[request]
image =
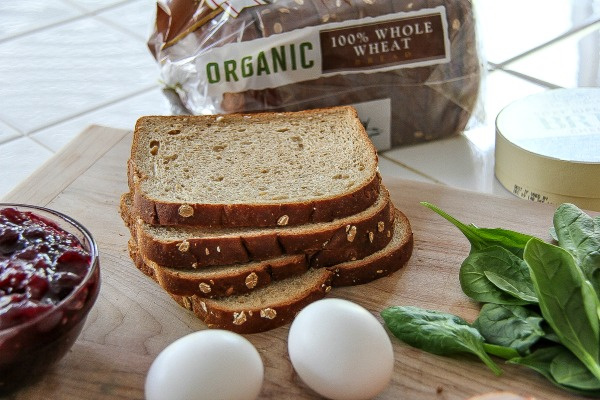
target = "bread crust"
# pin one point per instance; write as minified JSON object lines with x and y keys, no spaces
{"x":327,"y":244}
{"x":258,"y":215}
{"x":252,"y":319}
{"x":367,"y":269}
{"x":244,"y":317}
{"x":220,"y":282}
{"x":323,"y":209}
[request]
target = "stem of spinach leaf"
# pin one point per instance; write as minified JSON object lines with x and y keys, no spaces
{"x":501,"y":351}
{"x":481,"y":238}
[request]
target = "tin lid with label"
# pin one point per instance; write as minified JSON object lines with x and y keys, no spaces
{"x":548,"y":147}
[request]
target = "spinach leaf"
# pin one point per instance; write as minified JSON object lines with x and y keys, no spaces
{"x":579,"y":234}
{"x":511,"y":326}
{"x":550,"y":335}
{"x":540,"y":360}
{"x":480,"y":238}
{"x":520,"y":289}
{"x":436,"y":332}
{"x":567,"y":301}
{"x":553,"y":235}
{"x":494,"y":275}
{"x":567,"y":370}
{"x":545,"y":360}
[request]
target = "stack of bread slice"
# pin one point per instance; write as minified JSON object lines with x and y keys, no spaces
{"x":246,"y":219}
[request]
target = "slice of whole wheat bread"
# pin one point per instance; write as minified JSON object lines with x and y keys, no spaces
{"x":327,"y":243}
{"x":236,"y":279}
{"x":265,"y":169}
{"x":265,"y":308}
{"x":278,"y":302}
{"x":221,"y":281}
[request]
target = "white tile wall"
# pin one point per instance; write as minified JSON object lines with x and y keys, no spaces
{"x":18,"y":159}
{"x":7,"y":132}
{"x":135,"y":18}
{"x":512,"y":27}
{"x":19,"y":17}
{"x":61,"y":72}
{"x":574,"y":61}
{"x":95,"y":5}
{"x":121,"y":114}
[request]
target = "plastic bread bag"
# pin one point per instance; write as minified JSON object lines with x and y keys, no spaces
{"x":411,"y":68}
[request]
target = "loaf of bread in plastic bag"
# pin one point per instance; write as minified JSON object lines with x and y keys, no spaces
{"x":426,"y":96}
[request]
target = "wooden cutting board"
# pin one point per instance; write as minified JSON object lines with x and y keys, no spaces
{"x":133,"y":319}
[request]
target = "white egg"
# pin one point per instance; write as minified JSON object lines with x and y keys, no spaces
{"x":209,"y":364}
{"x":340,"y":350}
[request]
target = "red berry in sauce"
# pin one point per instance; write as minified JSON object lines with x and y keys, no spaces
{"x":40,"y":265}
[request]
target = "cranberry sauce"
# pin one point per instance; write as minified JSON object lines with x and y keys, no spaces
{"x":40,"y":265}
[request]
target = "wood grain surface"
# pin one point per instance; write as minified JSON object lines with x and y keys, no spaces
{"x":133,"y":319}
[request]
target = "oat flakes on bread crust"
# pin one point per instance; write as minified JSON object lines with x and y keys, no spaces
{"x":221,"y":281}
{"x":269,"y":307}
{"x":382,"y":263}
{"x":235,"y":279}
{"x":258,"y":170}
{"x":287,"y":297}
{"x":277,"y":303}
{"x":327,"y":243}
{"x":266,"y":308}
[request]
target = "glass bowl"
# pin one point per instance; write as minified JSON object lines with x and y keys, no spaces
{"x":36,"y":338}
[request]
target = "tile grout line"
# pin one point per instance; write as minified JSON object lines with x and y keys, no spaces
{"x":96,"y":14}
{"x":13,"y":127}
{"x":121,"y":29}
{"x":42,"y":144}
{"x":411,"y":169}
{"x":73,"y":116}
{"x":92,"y":109}
{"x":529,"y":78}
{"x":588,"y":24}
{"x":41,"y":28}
{"x":101,"y":9}
{"x":85,"y":13}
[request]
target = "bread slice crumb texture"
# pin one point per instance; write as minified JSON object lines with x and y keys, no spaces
{"x":253,"y":159}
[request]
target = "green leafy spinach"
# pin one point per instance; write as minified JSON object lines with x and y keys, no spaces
{"x":495,"y":275}
{"x":566,"y":299}
{"x":516,"y":327}
{"x":436,"y":332}
{"x":559,"y":366}
{"x":579,"y":234}
{"x":541,"y":306}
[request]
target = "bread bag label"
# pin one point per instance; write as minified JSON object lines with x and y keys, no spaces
{"x":375,"y":116}
{"x":401,"y":40}
{"x":392,"y":41}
